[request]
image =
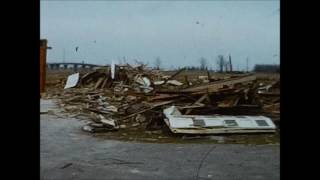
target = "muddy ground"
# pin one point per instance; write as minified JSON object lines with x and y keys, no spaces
{"x":56,"y":79}
{"x":69,"y":153}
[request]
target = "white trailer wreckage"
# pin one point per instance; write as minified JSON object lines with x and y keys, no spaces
{"x":216,"y":124}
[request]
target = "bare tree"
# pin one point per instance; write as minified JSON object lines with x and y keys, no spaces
{"x":230,"y":63}
{"x":157,"y":63}
{"x":141,"y":63}
{"x":226,"y":66}
{"x":138,"y":62}
{"x":221,"y":62}
{"x":124,"y":60}
{"x":203,"y":63}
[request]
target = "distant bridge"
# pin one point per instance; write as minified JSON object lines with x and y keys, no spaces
{"x":70,"y":65}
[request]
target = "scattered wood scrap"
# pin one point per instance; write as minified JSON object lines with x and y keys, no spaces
{"x":136,"y":96}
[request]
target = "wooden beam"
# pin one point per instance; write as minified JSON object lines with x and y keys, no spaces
{"x":100,"y":80}
{"x":203,"y":97}
{"x":215,"y":86}
{"x":174,"y":75}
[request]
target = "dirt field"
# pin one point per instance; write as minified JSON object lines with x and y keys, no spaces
{"x":69,"y":153}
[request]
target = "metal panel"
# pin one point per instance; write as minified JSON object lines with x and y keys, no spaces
{"x":216,"y":124}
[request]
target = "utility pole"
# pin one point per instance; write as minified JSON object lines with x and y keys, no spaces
{"x":247,"y":64}
{"x":230,"y":63}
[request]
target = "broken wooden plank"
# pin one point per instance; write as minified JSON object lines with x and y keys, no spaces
{"x":154,"y":105}
{"x":73,"y":98}
{"x":167,"y":91}
{"x":198,"y":105}
{"x":235,"y":103}
{"x":164,"y":96}
{"x":198,"y":101}
{"x":269,"y":93}
{"x":175,"y":74}
{"x":107,"y":122}
{"x":229,"y":102}
{"x":87,"y":78}
{"x":98,"y":111}
{"x":174,"y":82}
{"x":99,"y":82}
{"x":104,"y":83}
{"x":215,"y":86}
{"x":157,"y":83}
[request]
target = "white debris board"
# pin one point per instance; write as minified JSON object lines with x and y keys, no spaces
{"x":113,"y":69}
{"x":175,"y":82}
{"x":72,"y":81}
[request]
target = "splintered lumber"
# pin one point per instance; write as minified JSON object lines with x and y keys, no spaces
{"x":175,"y":74}
{"x":138,"y":91}
{"x":99,"y":82}
{"x":229,"y":102}
{"x":167,"y":91}
{"x":73,"y":98}
{"x":108,"y":122}
{"x":198,"y":105}
{"x":87,"y":78}
{"x":201,"y":92}
{"x":154,"y":105}
{"x":174,"y":82}
{"x":104,"y":82}
{"x":164,"y":96}
{"x":97,"y":111}
{"x":215,"y":86}
{"x":269,"y":93}
{"x":205,"y":96}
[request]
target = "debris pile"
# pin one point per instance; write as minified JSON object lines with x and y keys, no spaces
{"x":135,"y":97}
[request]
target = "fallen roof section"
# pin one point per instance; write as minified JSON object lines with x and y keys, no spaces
{"x":216,"y":124}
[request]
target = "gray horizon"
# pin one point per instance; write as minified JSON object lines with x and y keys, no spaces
{"x":179,"y":32}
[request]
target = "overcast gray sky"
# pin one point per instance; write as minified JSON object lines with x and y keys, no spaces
{"x":179,"y":32}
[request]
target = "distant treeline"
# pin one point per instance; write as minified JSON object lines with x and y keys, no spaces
{"x":195,"y":68}
{"x":191,"y":68}
{"x":267,"y":68}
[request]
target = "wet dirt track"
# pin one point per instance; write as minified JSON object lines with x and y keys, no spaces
{"x":69,"y":153}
